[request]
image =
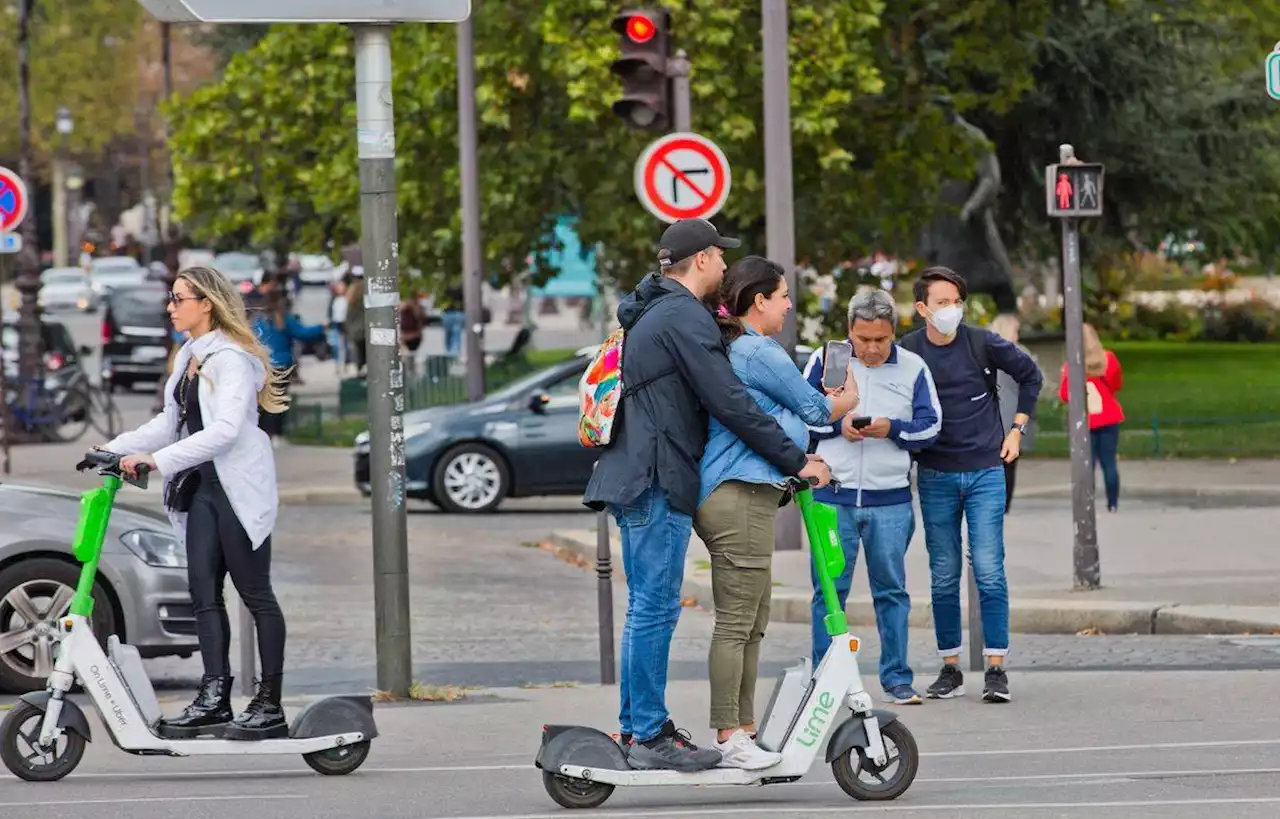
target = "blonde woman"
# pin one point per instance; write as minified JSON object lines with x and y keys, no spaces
{"x":220,"y":492}
{"x":1104,"y":380}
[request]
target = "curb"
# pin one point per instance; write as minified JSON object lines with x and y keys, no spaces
{"x":319,"y":496}
{"x":1026,"y":616}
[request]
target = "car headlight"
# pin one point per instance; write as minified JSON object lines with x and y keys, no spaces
{"x":156,"y":548}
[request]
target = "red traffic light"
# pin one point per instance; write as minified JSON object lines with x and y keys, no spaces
{"x":640,"y":29}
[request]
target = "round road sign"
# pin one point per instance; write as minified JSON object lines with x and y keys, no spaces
{"x":682,"y":176}
{"x":13,"y":200}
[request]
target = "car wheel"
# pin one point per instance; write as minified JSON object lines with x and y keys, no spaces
{"x":34,"y":593}
{"x":470,"y":478}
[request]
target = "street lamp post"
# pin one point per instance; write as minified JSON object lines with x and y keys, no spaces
{"x":64,"y":251}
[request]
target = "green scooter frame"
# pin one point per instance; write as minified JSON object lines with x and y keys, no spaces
{"x":42,"y":739}
{"x":581,"y":766}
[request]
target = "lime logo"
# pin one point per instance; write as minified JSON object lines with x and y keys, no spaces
{"x":1273,"y":73}
{"x":811,"y":731}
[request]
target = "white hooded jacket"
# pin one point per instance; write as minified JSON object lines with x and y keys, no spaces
{"x":240,"y":451}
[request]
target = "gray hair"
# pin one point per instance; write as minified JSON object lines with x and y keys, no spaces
{"x":873,"y":305}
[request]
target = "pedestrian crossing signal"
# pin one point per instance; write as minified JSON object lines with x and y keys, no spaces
{"x":1073,"y":190}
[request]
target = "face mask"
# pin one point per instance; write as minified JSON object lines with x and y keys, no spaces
{"x":947,"y":319}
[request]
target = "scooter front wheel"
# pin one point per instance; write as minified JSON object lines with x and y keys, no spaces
{"x":338,"y":761}
{"x":575,"y":793}
{"x":861,"y":778}
{"x":21,"y":752}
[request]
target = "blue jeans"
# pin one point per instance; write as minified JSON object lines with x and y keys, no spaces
{"x":1105,"y":443}
{"x":885,"y":532}
{"x":454,"y":322}
{"x":655,"y":539}
{"x":978,"y":498}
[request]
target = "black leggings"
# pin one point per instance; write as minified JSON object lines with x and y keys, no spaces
{"x":217,"y":545}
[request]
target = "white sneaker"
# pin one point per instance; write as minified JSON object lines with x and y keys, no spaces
{"x":741,"y":751}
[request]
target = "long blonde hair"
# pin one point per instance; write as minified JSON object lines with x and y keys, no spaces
{"x":229,"y":316}
{"x":1095,"y":355}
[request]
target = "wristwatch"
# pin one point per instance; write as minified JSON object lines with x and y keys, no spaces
{"x":1020,"y":428}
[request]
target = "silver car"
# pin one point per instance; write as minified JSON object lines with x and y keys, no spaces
{"x":141,"y":594}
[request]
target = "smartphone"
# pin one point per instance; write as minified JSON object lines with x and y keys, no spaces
{"x":835,"y":364}
{"x":860,"y":422}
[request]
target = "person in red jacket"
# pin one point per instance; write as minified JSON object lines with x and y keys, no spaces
{"x":1105,"y":413}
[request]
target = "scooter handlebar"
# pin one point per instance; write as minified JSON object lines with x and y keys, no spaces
{"x":108,"y":463}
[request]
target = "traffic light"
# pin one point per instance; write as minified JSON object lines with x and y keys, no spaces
{"x":646,"y":42}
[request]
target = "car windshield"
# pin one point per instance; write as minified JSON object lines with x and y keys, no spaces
{"x":116,"y":264}
{"x":62,"y":276}
{"x":235,"y":261}
{"x":142,"y":306}
{"x":56,"y":338}
{"x":523,"y":385}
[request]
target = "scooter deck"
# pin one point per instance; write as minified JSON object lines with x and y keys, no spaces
{"x":213,"y":746}
{"x":712,"y":776}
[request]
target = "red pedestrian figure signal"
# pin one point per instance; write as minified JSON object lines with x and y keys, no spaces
{"x":640,"y":29}
{"x":1064,"y":190}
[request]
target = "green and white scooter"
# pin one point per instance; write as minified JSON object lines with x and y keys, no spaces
{"x":42,"y":739}
{"x":872,"y":755}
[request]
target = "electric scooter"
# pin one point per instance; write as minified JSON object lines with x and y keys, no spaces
{"x":872,"y":755}
{"x":42,"y":739}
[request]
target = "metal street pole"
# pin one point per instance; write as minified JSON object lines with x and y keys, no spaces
{"x":166,"y":59}
{"x":1083,"y":512}
{"x":375,"y":135}
{"x":604,"y":600}
{"x":472,"y":251}
{"x":780,"y":240}
{"x":30,"y":362}
{"x":678,"y":68}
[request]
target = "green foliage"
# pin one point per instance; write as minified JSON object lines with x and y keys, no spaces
{"x":82,"y":55}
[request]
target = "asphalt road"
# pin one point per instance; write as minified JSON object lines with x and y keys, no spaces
{"x":1073,"y":744}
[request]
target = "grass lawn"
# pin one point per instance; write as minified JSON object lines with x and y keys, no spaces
{"x":1185,"y":400}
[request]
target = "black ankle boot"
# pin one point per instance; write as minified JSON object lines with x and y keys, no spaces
{"x":263,"y":718}
{"x":209,"y":712}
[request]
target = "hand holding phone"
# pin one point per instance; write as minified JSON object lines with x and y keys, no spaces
{"x":835,"y":364}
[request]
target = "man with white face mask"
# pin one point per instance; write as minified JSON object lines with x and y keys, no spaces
{"x":962,"y":475}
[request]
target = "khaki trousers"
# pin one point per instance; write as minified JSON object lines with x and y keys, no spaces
{"x":736,"y":524}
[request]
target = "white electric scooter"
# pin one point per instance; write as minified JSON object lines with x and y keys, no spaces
{"x":42,"y":739}
{"x":872,"y":755}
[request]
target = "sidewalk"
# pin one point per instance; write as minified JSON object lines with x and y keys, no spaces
{"x":1190,"y":552}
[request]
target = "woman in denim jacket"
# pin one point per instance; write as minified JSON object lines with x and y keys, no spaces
{"x":741,"y":493}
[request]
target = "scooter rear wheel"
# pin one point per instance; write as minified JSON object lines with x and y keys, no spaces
{"x":575,"y":793}
{"x":338,"y":761}
{"x":18,"y":735}
{"x":904,"y":761}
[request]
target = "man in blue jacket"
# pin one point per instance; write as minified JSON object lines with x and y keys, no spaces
{"x":675,"y":371}
{"x":962,"y":475}
{"x":873,"y":466}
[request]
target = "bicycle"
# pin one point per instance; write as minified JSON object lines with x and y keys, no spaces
{"x":62,"y":415}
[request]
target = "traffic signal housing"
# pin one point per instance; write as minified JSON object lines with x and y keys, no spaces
{"x":646,"y":43}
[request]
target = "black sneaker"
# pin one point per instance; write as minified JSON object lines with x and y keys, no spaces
{"x":950,"y":683}
{"x":996,"y":685}
{"x":672,"y":750}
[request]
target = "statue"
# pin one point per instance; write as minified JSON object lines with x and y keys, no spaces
{"x":969,"y":241}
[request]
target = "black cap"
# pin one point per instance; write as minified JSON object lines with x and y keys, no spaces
{"x":689,"y":236}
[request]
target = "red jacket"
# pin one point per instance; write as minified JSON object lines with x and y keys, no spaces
{"x":1105,"y":408}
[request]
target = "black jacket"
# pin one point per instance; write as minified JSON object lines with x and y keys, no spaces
{"x":675,"y":361}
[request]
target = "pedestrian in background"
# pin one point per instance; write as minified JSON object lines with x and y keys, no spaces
{"x":1104,"y":380}
{"x":357,"y":332}
{"x":1007,"y":326}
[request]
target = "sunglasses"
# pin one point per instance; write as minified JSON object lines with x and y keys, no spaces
{"x":177,"y":300}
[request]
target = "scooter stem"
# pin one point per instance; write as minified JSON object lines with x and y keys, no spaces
{"x":91,"y":532}
{"x":822,"y":525}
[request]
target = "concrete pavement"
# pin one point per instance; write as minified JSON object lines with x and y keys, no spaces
{"x":1189,"y":552}
{"x":1107,"y":744}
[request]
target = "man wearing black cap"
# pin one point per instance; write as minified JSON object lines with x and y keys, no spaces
{"x":676,"y":371}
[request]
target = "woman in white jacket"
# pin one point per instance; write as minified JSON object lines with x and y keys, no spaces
{"x":220,"y":492}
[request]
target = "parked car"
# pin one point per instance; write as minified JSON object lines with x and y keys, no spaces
{"x":106,"y":273}
{"x":141,"y":594}
{"x":135,"y":336}
{"x":65,"y":363}
{"x":63,"y":288}
{"x":519,"y":441}
{"x":239,"y":267}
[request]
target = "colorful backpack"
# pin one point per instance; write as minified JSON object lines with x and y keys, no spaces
{"x":600,"y":392}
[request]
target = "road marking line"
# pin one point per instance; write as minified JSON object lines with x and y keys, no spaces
{"x":777,"y":807}
{"x":1226,"y":743}
{"x":136,"y":799}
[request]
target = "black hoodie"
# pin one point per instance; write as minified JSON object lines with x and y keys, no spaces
{"x":677,"y":365}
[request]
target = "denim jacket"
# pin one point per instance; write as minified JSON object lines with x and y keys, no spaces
{"x":776,"y":384}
